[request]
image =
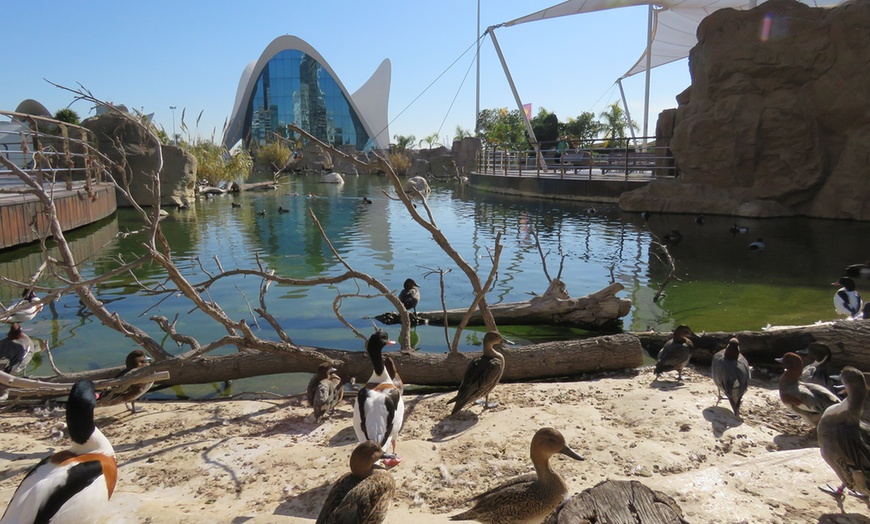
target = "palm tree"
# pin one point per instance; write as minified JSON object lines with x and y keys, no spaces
{"x":403,"y":142}
{"x":614,"y":125}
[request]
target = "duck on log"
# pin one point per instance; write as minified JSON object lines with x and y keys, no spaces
{"x":601,"y":310}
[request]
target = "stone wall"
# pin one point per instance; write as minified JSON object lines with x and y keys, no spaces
{"x":777,"y":119}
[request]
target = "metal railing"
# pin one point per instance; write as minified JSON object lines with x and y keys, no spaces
{"x":590,"y":162}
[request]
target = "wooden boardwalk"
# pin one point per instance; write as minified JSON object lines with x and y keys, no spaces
{"x":23,"y":221}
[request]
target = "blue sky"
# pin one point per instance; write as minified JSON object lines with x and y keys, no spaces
{"x":156,"y":54}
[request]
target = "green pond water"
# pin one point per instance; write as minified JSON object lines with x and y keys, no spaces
{"x":721,"y":285}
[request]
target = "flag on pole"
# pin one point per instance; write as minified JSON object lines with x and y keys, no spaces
{"x":528,"y":109}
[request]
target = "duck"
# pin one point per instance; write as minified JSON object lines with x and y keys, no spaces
{"x":735,"y":230}
{"x":676,"y":352}
{"x":730,"y":372}
{"x":807,"y":400}
{"x":672,"y":238}
{"x":847,"y":301}
{"x":378,"y":410}
{"x":842,"y":439}
{"x":25,"y":309}
{"x":758,"y":245}
{"x":482,"y":374}
{"x":858,"y":270}
{"x":390,"y":364}
{"x":700,"y":219}
{"x":112,"y":397}
{"x":17,"y":349}
{"x":282,"y":210}
{"x":364,"y":495}
{"x":71,"y":485}
{"x":409,"y":296}
{"x":236,"y":205}
{"x":527,"y":498}
{"x":366,"y":200}
{"x":324,"y":390}
{"x":817,"y":372}
{"x":645,"y":215}
{"x":261,"y":212}
{"x":864,"y":314}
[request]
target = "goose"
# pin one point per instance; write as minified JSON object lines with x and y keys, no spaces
{"x":676,"y":352}
{"x":112,"y":397}
{"x":362,"y":496}
{"x":481,"y":375}
{"x":527,"y":498}
{"x":25,"y":309}
{"x":808,"y":401}
{"x":409,"y":296}
{"x":378,"y":411}
{"x":847,"y":301}
{"x":730,"y":372}
{"x":70,"y":486}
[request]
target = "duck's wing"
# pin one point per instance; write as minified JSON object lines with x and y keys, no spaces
{"x":368,"y":501}
{"x":481,"y":375}
{"x":333,"y":500}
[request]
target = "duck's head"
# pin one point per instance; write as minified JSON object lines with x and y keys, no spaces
{"x":323,"y":370}
{"x":136,"y":359}
{"x":493,"y":339}
{"x":792,"y":363}
{"x":732,"y":350}
{"x":855,"y":383}
{"x":364,"y":457}
{"x":80,"y":411}
{"x":847,"y":283}
{"x":410,"y":284}
{"x":375,"y":344}
{"x":682,"y":333}
{"x":817,"y":351}
{"x":548,"y":442}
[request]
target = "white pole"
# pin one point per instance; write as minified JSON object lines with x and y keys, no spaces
{"x":649,"y":40}
{"x":627,"y":111}
{"x":477,"y":91}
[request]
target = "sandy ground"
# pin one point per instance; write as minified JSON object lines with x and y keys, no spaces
{"x":263,"y":461}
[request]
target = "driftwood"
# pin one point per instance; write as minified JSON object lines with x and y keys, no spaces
{"x":236,"y":187}
{"x":846,"y":338}
{"x":599,"y":310}
{"x":534,"y":361}
{"x":618,"y":501}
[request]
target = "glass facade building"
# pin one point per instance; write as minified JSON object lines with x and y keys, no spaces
{"x":292,"y":84}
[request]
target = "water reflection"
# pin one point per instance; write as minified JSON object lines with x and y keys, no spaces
{"x":721,"y":284}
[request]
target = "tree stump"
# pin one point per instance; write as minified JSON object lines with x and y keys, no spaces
{"x":618,"y":502}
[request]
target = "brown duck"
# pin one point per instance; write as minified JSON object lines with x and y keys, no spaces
{"x":805,"y":399}
{"x":114,"y":396}
{"x":481,"y":375}
{"x":362,"y":496}
{"x":676,"y":352}
{"x":324,"y":390}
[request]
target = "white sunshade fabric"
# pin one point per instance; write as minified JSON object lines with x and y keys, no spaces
{"x":675,"y":23}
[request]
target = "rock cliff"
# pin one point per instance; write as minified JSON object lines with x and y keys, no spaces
{"x":777,"y":119}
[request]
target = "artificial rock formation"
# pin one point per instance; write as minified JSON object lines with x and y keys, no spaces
{"x":777,"y":119}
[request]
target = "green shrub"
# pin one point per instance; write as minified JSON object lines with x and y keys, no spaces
{"x":215,"y":164}
{"x":275,"y":155}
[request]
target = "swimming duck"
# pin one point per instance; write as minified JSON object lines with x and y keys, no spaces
{"x":25,"y":309}
{"x":700,"y":219}
{"x":730,"y":372}
{"x":735,"y":229}
{"x":758,"y":245}
{"x":70,"y":485}
{"x":858,"y":270}
{"x":847,"y":301}
{"x":676,"y":352}
{"x":363,"y":495}
{"x":527,"y":498}
{"x":645,"y":215}
{"x":481,"y":375}
{"x":842,"y":440}
{"x":390,"y":364}
{"x":261,"y":213}
{"x":366,"y":200}
{"x":409,"y":296}
{"x":817,"y":372}
{"x":282,"y":210}
{"x":672,"y":238}
{"x":805,"y":399}
{"x":379,"y":411}
{"x":112,"y":397}
{"x":235,"y":205}
{"x":324,"y":390}
{"x":16,"y":349}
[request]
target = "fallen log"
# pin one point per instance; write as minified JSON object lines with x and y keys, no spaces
{"x":846,"y":338}
{"x":601,"y":310}
{"x":236,"y":187}
{"x":618,"y":501}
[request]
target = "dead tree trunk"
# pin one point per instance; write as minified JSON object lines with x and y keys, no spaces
{"x":600,"y":310}
{"x":618,"y":501}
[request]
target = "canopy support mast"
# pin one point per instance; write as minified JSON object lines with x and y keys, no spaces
{"x":534,"y":141}
{"x":649,"y":43}
{"x":477,"y":91}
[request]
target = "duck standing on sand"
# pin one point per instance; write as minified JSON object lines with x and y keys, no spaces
{"x":111,"y":397}
{"x":481,"y":375}
{"x":527,"y":498}
{"x":807,"y":400}
{"x":730,"y":372}
{"x":324,"y":391}
{"x":842,"y":441}
{"x":817,"y":372}
{"x":676,"y":352}
{"x":25,"y":309}
{"x":409,"y":296}
{"x":362,"y":496}
{"x":71,"y":485}
{"x":847,"y":301}
{"x":379,"y":410}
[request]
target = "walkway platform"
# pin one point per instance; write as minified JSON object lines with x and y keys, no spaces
{"x":584,"y":186}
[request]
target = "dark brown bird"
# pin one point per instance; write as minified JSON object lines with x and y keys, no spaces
{"x":324,"y":390}
{"x":527,"y":498}
{"x":114,"y":396}
{"x":481,"y":375}
{"x":730,"y":372}
{"x":362,"y":496}
{"x":676,"y":352}
{"x":410,"y":295}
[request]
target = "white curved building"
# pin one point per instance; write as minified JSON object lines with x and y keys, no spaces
{"x":292,"y":84}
